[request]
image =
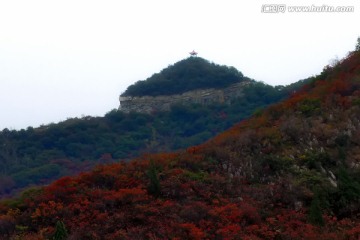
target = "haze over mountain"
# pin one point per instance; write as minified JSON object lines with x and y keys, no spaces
{"x":66,"y":59}
{"x":290,"y":171}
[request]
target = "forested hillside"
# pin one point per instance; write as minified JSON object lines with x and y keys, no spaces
{"x":36,"y":156}
{"x":289,"y":172}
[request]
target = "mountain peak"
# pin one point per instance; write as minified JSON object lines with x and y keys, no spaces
{"x":188,"y":74}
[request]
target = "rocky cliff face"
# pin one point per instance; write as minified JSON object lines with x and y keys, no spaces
{"x":148,"y":104}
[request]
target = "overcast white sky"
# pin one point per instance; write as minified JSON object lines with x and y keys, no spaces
{"x":68,"y":58}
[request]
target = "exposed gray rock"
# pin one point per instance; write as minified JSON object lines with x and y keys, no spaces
{"x":332,"y":182}
{"x":148,"y":104}
{"x":298,"y":205}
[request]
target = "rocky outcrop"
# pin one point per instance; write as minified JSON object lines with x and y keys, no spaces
{"x":149,"y":104}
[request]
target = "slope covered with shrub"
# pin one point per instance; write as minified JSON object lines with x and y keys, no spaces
{"x":39,"y":155}
{"x":289,"y":172}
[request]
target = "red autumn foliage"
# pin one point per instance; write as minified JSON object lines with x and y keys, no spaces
{"x":250,"y":182}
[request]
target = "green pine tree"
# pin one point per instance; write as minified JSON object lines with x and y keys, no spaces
{"x":60,"y":231}
{"x":154,"y":187}
{"x":357,"y":48}
{"x":315,"y":211}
